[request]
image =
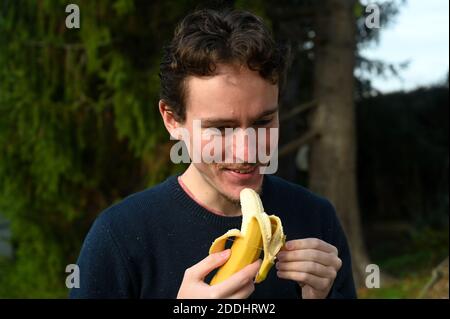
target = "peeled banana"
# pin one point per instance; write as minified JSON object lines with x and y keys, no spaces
{"x":259,"y":232}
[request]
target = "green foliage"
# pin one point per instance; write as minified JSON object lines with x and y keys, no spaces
{"x":410,"y":268}
{"x":79,"y":126}
{"x":408,"y":287}
{"x":420,"y":257}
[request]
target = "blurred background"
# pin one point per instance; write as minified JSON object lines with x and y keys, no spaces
{"x":364,"y":122}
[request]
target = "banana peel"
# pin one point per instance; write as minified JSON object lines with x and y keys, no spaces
{"x":259,"y":232}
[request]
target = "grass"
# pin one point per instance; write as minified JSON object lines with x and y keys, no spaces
{"x":407,"y":287}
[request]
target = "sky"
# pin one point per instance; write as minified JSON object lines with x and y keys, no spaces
{"x":419,"y":34}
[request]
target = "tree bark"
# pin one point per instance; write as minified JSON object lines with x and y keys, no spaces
{"x":333,"y":155}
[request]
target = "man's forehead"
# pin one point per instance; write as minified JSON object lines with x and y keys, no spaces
{"x":234,"y":73}
{"x":227,"y":74}
{"x":229,"y":91}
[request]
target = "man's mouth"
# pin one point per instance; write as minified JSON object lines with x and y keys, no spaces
{"x":242,"y":170}
{"x":241,"y":174}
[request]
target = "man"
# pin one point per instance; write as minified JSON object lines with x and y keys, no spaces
{"x":225,"y":70}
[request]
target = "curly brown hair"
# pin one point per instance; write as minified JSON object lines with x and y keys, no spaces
{"x":207,"y":37}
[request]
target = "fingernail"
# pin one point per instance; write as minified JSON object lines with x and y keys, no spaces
{"x":225,"y":253}
{"x":277,"y":265}
{"x":288,"y":245}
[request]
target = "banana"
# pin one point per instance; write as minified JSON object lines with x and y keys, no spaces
{"x":258,"y":232}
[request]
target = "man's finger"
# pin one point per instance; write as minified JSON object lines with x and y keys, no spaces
{"x":311,"y":243}
{"x":244,"y":292}
{"x":317,"y":256}
{"x":201,"y":269}
{"x":315,"y":282}
{"x":238,"y":280}
{"x":309,"y":267}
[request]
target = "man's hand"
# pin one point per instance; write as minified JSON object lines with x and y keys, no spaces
{"x":238,"y":286}
{"x":312,"y":263}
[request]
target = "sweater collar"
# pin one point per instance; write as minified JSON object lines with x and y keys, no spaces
{"x":200,"y":212}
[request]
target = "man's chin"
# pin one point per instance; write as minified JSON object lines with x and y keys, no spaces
{"x":233,"y":189}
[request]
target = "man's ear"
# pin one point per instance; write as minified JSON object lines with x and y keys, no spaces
{"x":168,"y":116}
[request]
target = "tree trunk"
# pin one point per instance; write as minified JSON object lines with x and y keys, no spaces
{"x":333,"y":155}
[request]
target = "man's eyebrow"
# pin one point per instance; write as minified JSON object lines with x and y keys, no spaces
{"x":268,"y":112}
{"x":217,"y":122}
{"x":222,"y":121}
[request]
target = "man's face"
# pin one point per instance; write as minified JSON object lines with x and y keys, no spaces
{"x":235,"y":98}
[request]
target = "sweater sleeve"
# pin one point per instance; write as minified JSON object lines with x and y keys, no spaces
{"x":102,"y":264}
{"x":344,"y":286}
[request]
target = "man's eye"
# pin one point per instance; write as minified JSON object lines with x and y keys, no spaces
{"x":263,"y":122}
{"x":221,"y":129}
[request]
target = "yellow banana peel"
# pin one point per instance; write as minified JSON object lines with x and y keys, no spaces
{"x":259,"y":232}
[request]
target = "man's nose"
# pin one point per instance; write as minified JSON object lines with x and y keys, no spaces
{"x":244,"y":145}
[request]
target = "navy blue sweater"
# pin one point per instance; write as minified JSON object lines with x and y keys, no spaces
{"x":140,"y":247}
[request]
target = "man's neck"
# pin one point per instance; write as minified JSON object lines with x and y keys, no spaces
{"x":206,"y":195}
